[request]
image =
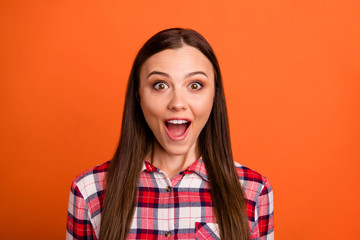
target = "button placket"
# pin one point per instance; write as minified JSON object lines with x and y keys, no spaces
{"x":167,"y":200}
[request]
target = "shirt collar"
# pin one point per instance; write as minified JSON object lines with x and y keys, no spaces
{"x":197,"y":167}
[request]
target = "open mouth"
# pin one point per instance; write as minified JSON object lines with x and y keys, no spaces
{"x":177,"y":129}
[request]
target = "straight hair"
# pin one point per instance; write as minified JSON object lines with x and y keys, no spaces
{"x":136,"y":141}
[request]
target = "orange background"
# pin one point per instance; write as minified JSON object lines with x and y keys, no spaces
{"x":292,"y":80}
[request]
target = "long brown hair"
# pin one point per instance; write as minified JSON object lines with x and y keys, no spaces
{"x":136,"y":140}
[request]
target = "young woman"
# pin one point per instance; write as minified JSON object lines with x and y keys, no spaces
{"x":173,"y":175}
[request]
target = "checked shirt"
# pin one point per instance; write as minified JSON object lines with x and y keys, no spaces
{"x":177,"y":208}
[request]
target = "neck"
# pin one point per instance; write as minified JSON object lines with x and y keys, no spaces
{"x":172,"y":164}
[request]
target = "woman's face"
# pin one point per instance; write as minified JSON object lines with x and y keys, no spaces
{"x":176,"y":95}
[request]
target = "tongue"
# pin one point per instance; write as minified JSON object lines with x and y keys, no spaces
{"x":176,"y":130}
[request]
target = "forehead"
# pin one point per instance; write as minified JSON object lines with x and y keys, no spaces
{"x":185,"y":59}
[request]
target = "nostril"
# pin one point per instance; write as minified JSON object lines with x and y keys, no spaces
{"x":177,"y":106}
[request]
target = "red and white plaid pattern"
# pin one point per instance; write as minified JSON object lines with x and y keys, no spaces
{"x":180,"y":208}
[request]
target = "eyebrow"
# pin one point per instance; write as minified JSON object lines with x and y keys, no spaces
{"x":167,"y":75}
{"x":195,"y":73}
{"x":158,"y":73}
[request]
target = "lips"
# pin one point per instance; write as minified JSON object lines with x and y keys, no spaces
{"x":177,"y":129}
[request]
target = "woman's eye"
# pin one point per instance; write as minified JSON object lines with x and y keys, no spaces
{"x":160,"y":86}
{"x":195,"y":86}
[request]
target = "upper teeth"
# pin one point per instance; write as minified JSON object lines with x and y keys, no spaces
{"x":177,"y":121}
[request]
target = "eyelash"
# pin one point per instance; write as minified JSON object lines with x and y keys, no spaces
{"x":198,"y":83}
{"x":156,"y":85}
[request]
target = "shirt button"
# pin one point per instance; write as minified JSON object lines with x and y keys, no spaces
{"x":167,"y":234}
{"x":168,"y":189}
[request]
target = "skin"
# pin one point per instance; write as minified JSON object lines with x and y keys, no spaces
{"x":176,"y":83}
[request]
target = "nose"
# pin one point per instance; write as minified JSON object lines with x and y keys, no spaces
{"x":177,"y":101}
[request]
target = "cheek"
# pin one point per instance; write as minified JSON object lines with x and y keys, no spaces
{"x":152,"y":110}
{"x":203,"y":109}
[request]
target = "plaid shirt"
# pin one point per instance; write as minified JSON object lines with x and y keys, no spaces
{"x":178,"y":208}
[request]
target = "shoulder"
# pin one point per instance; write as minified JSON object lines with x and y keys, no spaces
{"x":91,"y":182}
{"x":259,"y":202}
{"x":85,"y":203}
{"x":252,"y":181}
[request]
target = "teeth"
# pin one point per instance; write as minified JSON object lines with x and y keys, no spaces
{"x":177,"y":121}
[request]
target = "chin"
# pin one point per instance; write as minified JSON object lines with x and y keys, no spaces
{"x":177,"y":151}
